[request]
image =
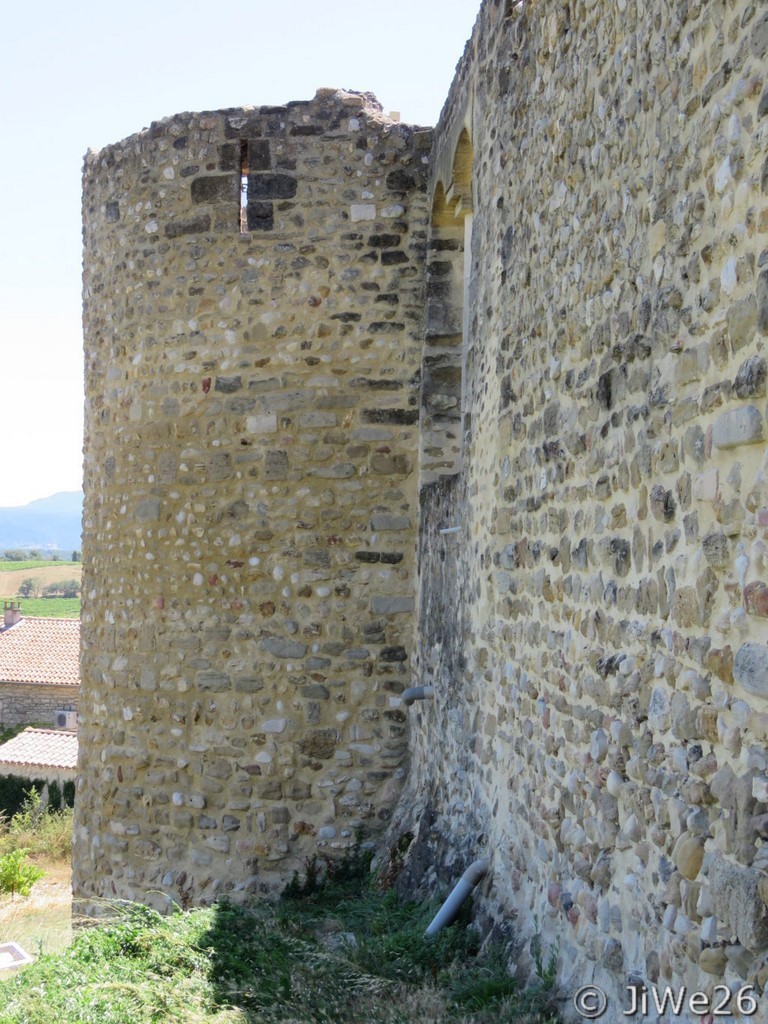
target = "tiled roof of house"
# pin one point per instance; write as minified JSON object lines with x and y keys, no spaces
{"x":41,"y":651}
{"x":44,"y":748}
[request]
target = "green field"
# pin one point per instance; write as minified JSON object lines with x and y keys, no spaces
{"x":50,"y":607}
{"x":32,"y":564}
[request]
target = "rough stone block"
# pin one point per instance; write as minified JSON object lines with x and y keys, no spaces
{"x":750,"y":378}
{"x":191,"y":226}
{"x":260,"y":216}
{"x":219,"y":188}
{"x":382,"y":521}
{"x":362,"y":211}
{"x":258,"y":155}
{"x":270,"y":186}
{"x":264,"y":424}
{"x":750,"y":668}
{"x":148,"y":509}
{"x":737,"y":427}
{"x":737,"y":903}
{"x":392,"y":605}
{"x":282,"y":648}
{"x":320,"y":744}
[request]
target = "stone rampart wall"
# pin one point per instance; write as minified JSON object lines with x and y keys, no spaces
{"x":596,"y":629}
{"x":252,"y":383}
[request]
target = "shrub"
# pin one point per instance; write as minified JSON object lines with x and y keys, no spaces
{"x":38,"y":828}
{"x":17,"y":874}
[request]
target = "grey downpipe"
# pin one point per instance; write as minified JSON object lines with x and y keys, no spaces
{"x":416,"y":693}
{"x":449,"y":911}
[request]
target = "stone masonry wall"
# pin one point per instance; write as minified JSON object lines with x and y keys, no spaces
{"x":252,"y":394}
{"x":596,"y":629}
{"x":33,"y":704}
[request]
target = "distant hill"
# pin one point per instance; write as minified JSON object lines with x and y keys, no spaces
{"x":47,"y":524}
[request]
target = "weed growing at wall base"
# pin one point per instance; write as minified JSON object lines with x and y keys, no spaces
{"x":341,"y":954}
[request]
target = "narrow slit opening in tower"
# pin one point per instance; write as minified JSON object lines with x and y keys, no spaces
{"x":243,"y":187}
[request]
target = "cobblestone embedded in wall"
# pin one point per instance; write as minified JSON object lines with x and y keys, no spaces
{"x":252,"y":379}
{"x":601,"y":662}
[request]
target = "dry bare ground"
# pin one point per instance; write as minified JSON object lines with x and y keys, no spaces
{"x":42,"y":921}
{"x":10,"y":581}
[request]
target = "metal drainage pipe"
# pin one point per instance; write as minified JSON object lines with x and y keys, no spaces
{"x":448,"y":913}
{"x":416,"y":693}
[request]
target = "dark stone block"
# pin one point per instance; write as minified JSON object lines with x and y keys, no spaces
{"x":402,"y":417}
{"x":762,"y":109}
{"x":399,"y":181}
{"x":390,"y":259}
{"x":219,"y":188}
{"x":271,"y":186}
{"x":622,"y":556}
{"x":187,"y":172}
{"x":391,"y":557}
{"x":228,"y":385}
{"x":393,"y":654}
{"x":307,"y":129}
{"x":750,"y":379}
{"x":229,"y":157}
{"x":241,"y":126}
{"x":194,"y":226}
{"x":605,"y":391}
{"x":347,"y":318}
{"x":384,"y":241}
{"x":113,"y":212}
{"x":375,"y":385}
{"x":387,"y":327}
{"x":367,"y":556}
{"x":261,"y":216}
{"x":259,"y":157}
{"x":181,"y":143}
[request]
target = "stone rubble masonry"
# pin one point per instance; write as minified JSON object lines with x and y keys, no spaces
{"x":596,"y":629}
{"x":562,"y":334}
{"x":27,"y":703}
{"x":252,"y":381}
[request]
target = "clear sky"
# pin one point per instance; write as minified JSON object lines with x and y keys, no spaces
{"x":84,"y":74}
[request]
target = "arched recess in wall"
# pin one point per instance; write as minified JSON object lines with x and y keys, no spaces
{"x":444,"y":419}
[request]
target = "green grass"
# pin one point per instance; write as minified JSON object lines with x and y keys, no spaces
{"x":50,"y":607}
{"x":33,"y":563}
{"x":47,"y":835}
{"x":335,"y":953}
{"x":39,"y":926}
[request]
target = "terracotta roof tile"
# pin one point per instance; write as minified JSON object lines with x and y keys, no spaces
{"x":44,"y":748}
{"x":41,"y":651}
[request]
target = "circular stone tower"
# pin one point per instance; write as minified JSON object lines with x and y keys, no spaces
{"x":253,"y":296}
